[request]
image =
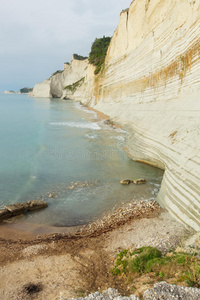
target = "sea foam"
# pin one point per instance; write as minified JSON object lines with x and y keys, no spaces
{"x":88,"y":125}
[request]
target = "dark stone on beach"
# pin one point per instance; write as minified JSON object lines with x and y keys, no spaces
{"x":17,"y":208}
{"x":20,"y":208}
{"x":139,"y":181}
{"x":109,"y":122}
{"x":4,"y":214}
{"x":125,"y":181}
{"x":36,"y":204}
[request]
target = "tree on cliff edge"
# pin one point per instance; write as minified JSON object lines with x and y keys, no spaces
{"x":98,"y":52}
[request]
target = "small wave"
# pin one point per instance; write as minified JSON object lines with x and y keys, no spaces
{"x":88,"y":125}
{"x":112,"y":128}
{"x":120,"y":138}
{"x":90,"y":136}
{"x":81,"y":107}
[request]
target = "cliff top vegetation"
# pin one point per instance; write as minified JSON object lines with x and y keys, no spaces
{"x":79,"y":57}
{"x":98,"y":52}
{"x":57,"y":72}
{"x":25,"y":90}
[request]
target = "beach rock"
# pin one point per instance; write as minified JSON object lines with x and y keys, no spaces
{"x":139,"y":181}
{"x":36,"y":204}
{"x":51,"y":195}
{"x":4,"y":214}
{"x":165,"y":291}
{"x":17,"y":208}
{"x":125,"y":181}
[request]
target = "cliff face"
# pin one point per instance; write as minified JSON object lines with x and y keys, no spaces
{"x":60,"y":84}
{"x":41,"y":89}
{"x":151,"y":85}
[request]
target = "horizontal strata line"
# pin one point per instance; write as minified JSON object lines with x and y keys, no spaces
{"x":166,"y":157}
{"x":171,"y":195}
{"x":172,"y":182}
{"x":158,"y":156}
{"x":190,"y":214}
{"x":182,"y":220}
{"x":171,"y":70}
{"x":140,"y":131}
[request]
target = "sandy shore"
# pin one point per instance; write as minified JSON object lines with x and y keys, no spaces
{"x":80,"y":262}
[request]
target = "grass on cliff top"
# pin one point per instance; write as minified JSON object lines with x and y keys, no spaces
{"x":98,"y":53}
{"x":174,"y":267}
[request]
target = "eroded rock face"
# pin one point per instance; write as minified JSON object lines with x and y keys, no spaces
{"x":41,"y":89}
{"x":58,"y":85}
{"x":151,"y":86}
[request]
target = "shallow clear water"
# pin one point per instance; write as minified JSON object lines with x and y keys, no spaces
{"x":57,"y":146}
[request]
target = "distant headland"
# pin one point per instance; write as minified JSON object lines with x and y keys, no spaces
{"x":25,"y":90}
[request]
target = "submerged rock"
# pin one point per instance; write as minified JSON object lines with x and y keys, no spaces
{"x":125,"y":181}
{"x":139,"y":181}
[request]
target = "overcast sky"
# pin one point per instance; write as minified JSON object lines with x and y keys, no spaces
{"x":38,"y":36}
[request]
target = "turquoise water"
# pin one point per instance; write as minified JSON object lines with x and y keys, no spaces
{"x":57,"y":146}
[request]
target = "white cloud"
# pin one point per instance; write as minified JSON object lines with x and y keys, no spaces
{"x":46,"y":33}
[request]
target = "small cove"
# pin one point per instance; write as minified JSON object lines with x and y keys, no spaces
{"x":58,"y":147}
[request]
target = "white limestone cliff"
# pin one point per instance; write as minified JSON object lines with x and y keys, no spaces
{"x":41,"y":89}
{"x":151,"y":85}
{"x":59,"y":84}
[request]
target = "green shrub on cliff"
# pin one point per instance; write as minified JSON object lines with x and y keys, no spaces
{"x":72,"y":87}
{"x":98,"y":52}
{"x":79,"y":57}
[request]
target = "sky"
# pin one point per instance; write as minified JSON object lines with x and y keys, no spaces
{"x":38,"y":36}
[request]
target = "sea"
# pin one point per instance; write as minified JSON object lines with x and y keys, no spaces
{"x":59,"y":151}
